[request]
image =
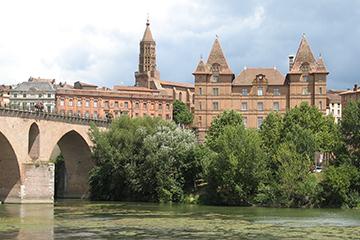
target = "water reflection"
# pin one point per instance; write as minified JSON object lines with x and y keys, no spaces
{"x":86,"y":220}
{"x":27,"y":221}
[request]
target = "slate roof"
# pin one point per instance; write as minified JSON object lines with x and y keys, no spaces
{"x":34,"y":87}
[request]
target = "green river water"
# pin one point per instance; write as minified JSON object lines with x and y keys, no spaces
{"x":117,"y":220}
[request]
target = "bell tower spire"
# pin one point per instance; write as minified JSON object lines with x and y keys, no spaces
{"x":147,"y":58}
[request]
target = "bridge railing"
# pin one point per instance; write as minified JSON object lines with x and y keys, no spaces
{"x":53,"y":117}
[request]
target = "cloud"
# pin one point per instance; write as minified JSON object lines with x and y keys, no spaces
{"x":97,"y":41}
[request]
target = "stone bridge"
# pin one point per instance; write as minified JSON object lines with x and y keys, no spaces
{"x":29,"y":144}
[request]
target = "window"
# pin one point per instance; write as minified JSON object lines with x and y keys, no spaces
{"x":259,"y":121}
{"x":70,"y":103}
{"x":49,"y":95}
{"x":160,"y":106}
{"x":244,"y":106}
{"x":200,"y":91}
{"x":338,"y":112}
{"x":168,"y":106}
{"x":168,"y":116}
{"x":276,"y":106}
{"x":200,"y":105}
{"x":116,"y":104}
{"x":40,"y":95}
{"x":136,"y":105}
{"x":24,"y":95}
{"x":87,"y":103}
{"x":306,"y":78}
{"x":180,"y":96}
{"x":305,"y":91}
{"x":244,"y":92}
{"x":79,"y":103}
{"x":260,"y":106}
{"x":260,"y":91}
{"x":145,"y":105}
{"x":70,"y":113}
{"x":95,"y":103}
{"x":245,"y":121}
{"x":62,"y":103}
{"x":126,"y":104}
{"x":215,"y":78}
{"x":215,"y":91}
{"x":79,"y":114}
{"x":320,"y":90}
{"x":87,"y":115}
{"x":215,"y":105}
{"x":106,"y":104}
{"x":320,"y":104}
{"x":95,"y":115}
{"x":276,"y":92}
{"x":15,"y":95}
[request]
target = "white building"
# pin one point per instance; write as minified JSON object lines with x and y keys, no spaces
{"x":334,"y":107}
{"x":26,"y":95}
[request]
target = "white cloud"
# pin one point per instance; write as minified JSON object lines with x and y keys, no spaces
{"x":94,"y":40}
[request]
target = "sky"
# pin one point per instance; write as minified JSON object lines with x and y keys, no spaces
{"x":97,"y":41}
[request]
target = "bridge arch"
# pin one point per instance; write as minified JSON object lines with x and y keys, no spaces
{"x":34,"y":141}
{"x":72,"y":169}
{"x":10,"y":179}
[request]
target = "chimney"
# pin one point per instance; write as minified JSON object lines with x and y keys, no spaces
{"x":291,"y":61}
{"x":355,"y":87}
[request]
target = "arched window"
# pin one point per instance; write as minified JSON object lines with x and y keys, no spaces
{"x":180,"y":96}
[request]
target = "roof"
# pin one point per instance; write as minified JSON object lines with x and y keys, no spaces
{"x":202,"y":68}
{"x":83,"y":84}
{"x":147,"y":34}
{"x":34,"y":87}
{"x":333,"y":97}
{"x":248,"y":75}
{"x":350,"y":92}
{"x":32,"y":79}
{"x":133,"y":88}
{"x":303,"y":56}
{"x":177,"y":84}
{"x":217,"y":56}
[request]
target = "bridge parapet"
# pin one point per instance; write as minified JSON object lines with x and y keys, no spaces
{"x":52,"y":117}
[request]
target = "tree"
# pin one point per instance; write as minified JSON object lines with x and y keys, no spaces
{"x":227,"y":118}
{"x":235,"y":167}
{"x":350,"y":130}
{"x":143,"y":159}
{"x":181,"y":113}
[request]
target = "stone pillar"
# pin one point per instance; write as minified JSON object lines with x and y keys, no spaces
{"x":38,"y":182}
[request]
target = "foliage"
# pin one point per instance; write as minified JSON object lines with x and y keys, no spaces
{"x":181,"y":113}
{"x":290,"y":143}
{"x":228,"y":117}
{"x":143,"y":159}
{"x":350,"y":129}
{"x":236,"y":167}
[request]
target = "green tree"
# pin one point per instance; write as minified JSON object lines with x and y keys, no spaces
{"x":143,"y":159}
{"x":181,"y":113}
{"x":227,"y":118}
{"x":235,"y":167}
{"x":350,"y":130}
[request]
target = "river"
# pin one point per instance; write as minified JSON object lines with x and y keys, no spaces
{"x":117,"y":220}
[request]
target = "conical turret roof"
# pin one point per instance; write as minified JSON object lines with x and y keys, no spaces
{"x":147,"y":34}
{"x":304,"y":55}
{"x":217,"y":56}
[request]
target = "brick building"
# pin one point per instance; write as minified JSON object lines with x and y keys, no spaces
{"x":350,"y":95}
{"x":255,"y":92}
{"x":150,"y":96}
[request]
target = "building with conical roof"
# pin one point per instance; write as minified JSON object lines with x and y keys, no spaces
{"x":256,"y":91}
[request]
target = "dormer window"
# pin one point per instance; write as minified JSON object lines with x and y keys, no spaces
{"x":305,"y":67}
{"x":215,"y":67}
{"x":260,"y":91}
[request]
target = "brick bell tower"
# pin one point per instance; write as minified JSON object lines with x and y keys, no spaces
{"x":147,"y":60}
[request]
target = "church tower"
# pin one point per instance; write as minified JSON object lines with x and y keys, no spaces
{"x":147,"y":60}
